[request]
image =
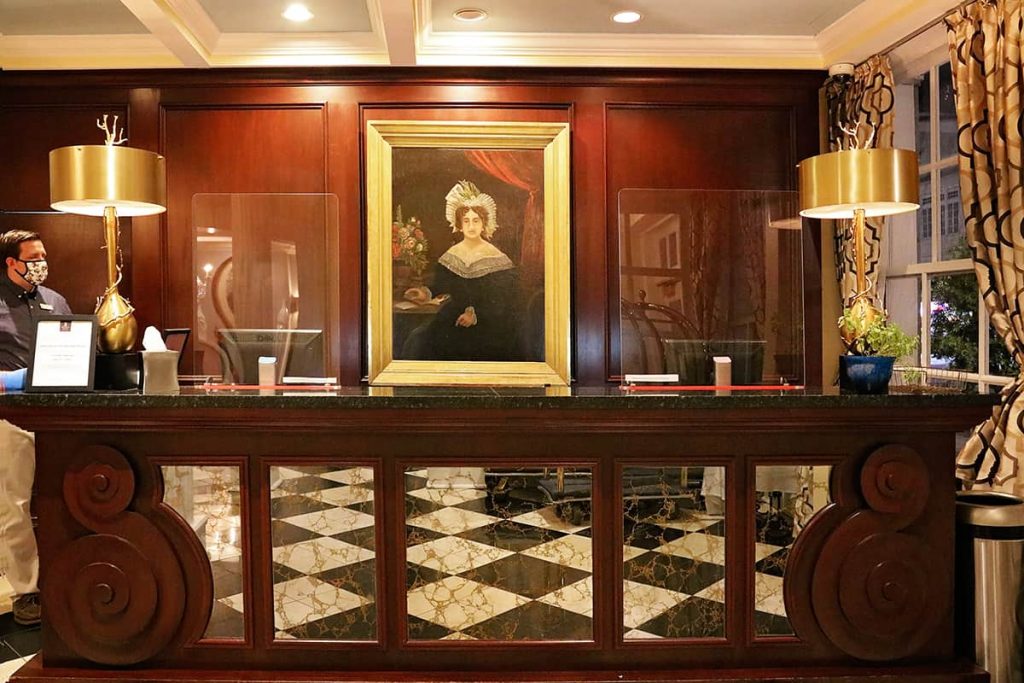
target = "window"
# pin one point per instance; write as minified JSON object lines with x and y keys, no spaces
{"x":931,"y":286}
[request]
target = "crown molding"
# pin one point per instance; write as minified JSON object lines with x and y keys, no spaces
{"x":115,"y":51}
{"x":298,"y":49}
{"x":487,"y":48}
{"x":874,"y":25}
{"x":574,"y":49}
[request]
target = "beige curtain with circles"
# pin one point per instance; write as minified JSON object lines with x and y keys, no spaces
{"x":864,"y":103}
{"x":985,"y":51}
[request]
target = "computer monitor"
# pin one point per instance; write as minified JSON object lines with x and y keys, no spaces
{"x":299,"y":353}
{"x":176,"y":339}
{"x":693,"y":359}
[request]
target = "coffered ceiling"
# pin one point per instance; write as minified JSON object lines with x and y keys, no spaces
{"x":68,"y":34}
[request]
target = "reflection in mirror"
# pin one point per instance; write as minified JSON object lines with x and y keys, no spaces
{"x":207,"y":498}
{"x":787,"y":496}
{"x":499,"y":553}
{"x":324,"y":557}
{"x":673,"y":552}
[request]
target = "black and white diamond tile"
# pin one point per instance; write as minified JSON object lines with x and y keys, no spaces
{"x":508,"y":567}
{"x":498,"y":567}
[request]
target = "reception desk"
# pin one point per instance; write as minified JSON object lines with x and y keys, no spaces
{"x":496,"y":534}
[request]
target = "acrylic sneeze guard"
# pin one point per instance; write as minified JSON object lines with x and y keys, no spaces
{"x":711,"y":273}
{"x":263,"y":289}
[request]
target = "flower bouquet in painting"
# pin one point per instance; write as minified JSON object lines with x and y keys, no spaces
{"x":408,"y":250}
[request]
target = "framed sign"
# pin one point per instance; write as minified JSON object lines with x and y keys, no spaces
{"x":468,"y":253}
{"x":63,"y":354}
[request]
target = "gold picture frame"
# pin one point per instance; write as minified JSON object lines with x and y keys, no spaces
{"x":417,"y":161}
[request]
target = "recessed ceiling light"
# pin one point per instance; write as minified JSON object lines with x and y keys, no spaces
{"x":297,"y":12}
{"x":470,"y":14}
{"x":627,"y":17}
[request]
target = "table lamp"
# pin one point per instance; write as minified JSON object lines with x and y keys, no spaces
{"x":108,"y":180}
{"x":858,"y":183}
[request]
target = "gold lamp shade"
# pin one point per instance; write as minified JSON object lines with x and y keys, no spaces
{"x":880,"y":182}
{"x":85,"y":179}
{"x":857,"y":183}
{"x":107,"y":180}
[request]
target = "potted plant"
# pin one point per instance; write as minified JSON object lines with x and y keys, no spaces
{"x":872,"y":344}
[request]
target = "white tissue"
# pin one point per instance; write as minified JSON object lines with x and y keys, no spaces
{"x":152,"y":340}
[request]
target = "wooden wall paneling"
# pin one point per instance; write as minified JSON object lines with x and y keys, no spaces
{"x":591,"y":264}
{"x":30,"y":132}
{"x":808,"y":116}
{"x":344,"y":247}
{"x":148,"y":265}
{"x":233,"y":149}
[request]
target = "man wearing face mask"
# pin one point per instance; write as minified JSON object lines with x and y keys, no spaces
{"x":23,"y":300}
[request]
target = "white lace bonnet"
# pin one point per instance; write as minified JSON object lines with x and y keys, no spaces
{"x":465,"y":193}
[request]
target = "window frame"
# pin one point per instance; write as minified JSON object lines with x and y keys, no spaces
{"x":924,"y":271}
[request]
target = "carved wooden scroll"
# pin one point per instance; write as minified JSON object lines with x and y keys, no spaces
{"x":856,"y":578}
{"x":117,"y":595}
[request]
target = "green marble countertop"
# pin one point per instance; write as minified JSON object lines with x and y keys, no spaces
{"x":496,"y":398}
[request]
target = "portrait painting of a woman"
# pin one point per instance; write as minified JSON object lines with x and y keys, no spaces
{"x":475,"y":285}
{"x":460,"y":238}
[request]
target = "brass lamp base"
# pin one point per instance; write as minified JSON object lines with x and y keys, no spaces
{"x":118,"y":328}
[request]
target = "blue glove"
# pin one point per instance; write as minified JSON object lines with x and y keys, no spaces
{"x":13,"y":380}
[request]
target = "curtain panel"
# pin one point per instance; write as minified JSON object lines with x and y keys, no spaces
{"x":985,"y":52}
{"x":862,"y":104}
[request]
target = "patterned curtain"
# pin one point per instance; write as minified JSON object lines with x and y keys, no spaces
{"x":985,"y":51}
{"x":863,"y":102}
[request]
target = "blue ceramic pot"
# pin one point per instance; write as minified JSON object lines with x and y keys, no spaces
{"x":865,"y":374}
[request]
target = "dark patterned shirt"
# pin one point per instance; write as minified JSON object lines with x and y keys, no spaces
{"x":19,"y":311}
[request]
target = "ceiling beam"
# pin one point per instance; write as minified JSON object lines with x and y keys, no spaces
{"x":396,"y":21}
{"x":181,"y":25}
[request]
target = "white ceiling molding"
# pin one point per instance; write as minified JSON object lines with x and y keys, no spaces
{"x":193,"y":15}
{"x":117,"y":51}
{"x":575,"y":49}
{"x":603,"y":49}
{"x":183,"y":33}
{"x":874,"y":25}
{"x":165,"y":24}
{"x":395,"y":22}
{"x":298,"y":49}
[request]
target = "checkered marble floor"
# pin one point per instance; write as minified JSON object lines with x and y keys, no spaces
{"x":515,"y":567}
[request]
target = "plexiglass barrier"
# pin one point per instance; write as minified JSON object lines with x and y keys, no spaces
{"x":710,"y":288}
{"x":262,"y":288}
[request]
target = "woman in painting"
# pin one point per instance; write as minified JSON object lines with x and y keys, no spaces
{"x":477,"y":282}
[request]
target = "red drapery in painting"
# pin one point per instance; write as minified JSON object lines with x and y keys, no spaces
{"x":518,"y":171}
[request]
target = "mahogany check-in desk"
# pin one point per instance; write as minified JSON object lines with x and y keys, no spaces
{"x":496,"y":534}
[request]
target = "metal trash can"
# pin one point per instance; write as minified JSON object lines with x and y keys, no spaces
{"x":990,"y":600}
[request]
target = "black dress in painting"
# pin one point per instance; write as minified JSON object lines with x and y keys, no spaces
{"x":489,"y":286}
